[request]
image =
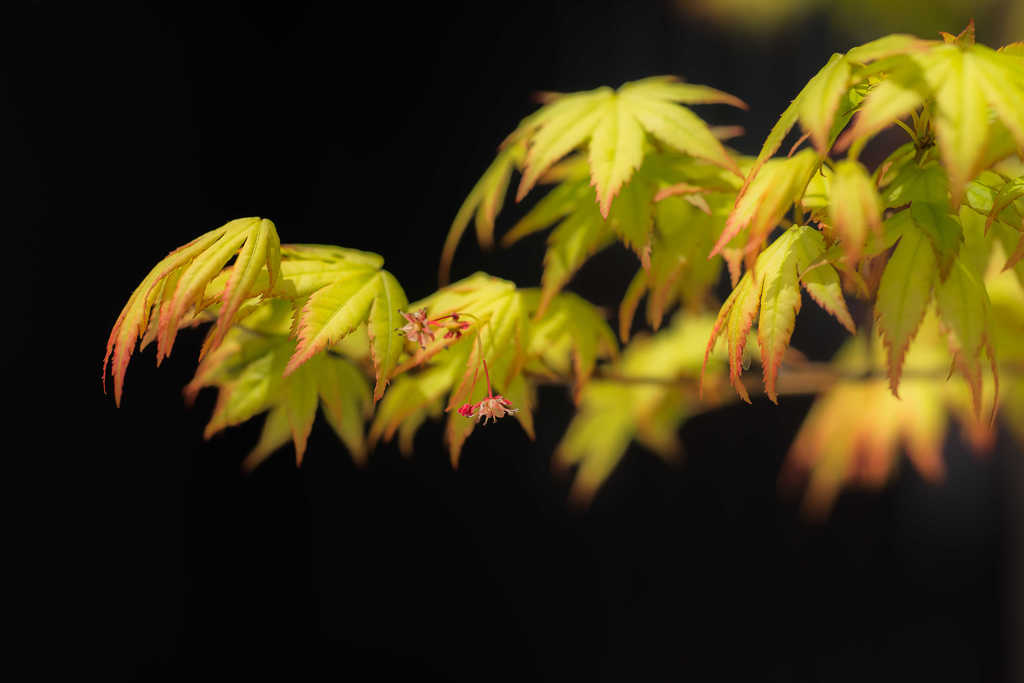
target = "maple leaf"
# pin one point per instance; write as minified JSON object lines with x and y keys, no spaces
{"x":248,"y":371}
{"x":172,"y":294}
{"x":634,"y":218}
{"x":614,"y":132}
{"x":998,"y":199}
{"x":854,"y":207}
{"x":569,"y":338}
{"x":637,"y":399}
{"x":612,"y":125}
{"x":484,"y":202}
{"x":826,"y":104}
{"x":854,"y":431}
{"x":347,"y":293}
{"x":679,"y":268}
{"x":966,"y":81}
{"x":770,"y":293}
{"x":763,"y":203}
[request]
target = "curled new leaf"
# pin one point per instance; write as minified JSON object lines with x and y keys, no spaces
{"x":175,"y":290}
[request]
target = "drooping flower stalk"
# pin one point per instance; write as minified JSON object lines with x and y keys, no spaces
{"x":493,"y":407}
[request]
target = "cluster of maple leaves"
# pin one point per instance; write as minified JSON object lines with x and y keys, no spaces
{"x":932,"y":238}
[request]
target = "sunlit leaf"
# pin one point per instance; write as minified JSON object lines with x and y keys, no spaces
{"x":770,"y":196}
{"x":854,"y":207}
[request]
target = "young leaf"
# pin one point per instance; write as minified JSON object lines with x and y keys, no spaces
{"x":485,"y":201}
{"x":616,"y":151}
{"x":820,"y":99}
{"x":854,"y":207}
{"x":963,"y":307}
{"x":771,"y":289}
{"x":903,"y":296}
{"x":384,"y":319}
{"x":332,"y":312}
{"x":570,"y":244}
{"x":780,"y":302}
{"x":176,"y":285}
{"x":964,"y":80}
{"x":779,"y":184}
{"x":614,"y":411}
{"x":942,"y":230}
{"x":570,"y":337}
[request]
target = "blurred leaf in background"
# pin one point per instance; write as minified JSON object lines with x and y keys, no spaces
{"x":1002,"y":21}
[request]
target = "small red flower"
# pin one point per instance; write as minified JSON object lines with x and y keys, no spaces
{"x":417,"y":327}
{"x":493,"y":407}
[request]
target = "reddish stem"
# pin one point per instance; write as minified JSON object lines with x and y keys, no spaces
{"x":488,"y":376}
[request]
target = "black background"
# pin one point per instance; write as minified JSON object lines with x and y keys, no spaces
{"x":147,"y":556}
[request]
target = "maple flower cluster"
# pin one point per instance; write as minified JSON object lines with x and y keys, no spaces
{"x":418,"y":326}
{"x":493,"y":407}
{"x":417,"y":329}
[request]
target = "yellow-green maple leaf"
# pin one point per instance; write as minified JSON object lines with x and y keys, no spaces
{"x":175,"y":288}
{"x":771,"y":292}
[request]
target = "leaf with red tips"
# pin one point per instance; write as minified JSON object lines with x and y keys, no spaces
{"x":820,"y":100}
{"x":821,"y":281}
{"x":856,"y":431}
{"x":384,"y":319}
{"x":261,"y":252}
{"x":741,"y":319}
{"x":632,"y":216}
{"x":670,"y":89}
{"x":780,"y":302}
{"x":616,"y":151}
{"x":963,"y":306}
{"x":1016,"y":256}
{"x":854,"y":207}
{"x":195,"y":277}
{"x":485,"y":201}
{"x":174,"y":288}
{"x":771,"y":292}
{"x":248,"y":367}
{"x":903,"y":296}
{"x":332,"y":312}
{"x":964,"y":38}
{"x":780,"y":183}
{"x":571,"y":123}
